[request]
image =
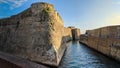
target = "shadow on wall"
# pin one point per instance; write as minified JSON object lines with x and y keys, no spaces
{"x":105,"y":40}
{"x":63,"y":46}
{"x":75,"y":34}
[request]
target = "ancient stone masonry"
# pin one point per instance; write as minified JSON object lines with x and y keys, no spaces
{"x":105,"y":40}
{"x":36,"y":34}
{"x":75,"y":33}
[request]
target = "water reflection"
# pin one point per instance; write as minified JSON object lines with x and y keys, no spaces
{"x":79,"y":56}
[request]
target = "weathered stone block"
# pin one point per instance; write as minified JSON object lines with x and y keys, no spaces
{"x":105,"y":40}
{"x":36,"y":34}
{"x":75,"y":33}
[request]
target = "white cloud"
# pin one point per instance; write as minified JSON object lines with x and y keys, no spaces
{"x":3,"y":1}
{"x":13,"y":3}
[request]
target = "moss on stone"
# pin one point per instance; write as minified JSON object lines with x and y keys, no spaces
{"x":47,"y":9}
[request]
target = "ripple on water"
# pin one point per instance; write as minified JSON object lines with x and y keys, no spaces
{"x":79,"y":56}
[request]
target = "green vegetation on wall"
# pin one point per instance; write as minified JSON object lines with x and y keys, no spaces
{"x":47,"y":9}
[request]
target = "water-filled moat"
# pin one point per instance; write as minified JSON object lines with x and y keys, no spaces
{"x":79,"y":56}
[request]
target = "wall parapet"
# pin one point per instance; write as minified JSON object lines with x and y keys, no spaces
{"x":105,"y":40}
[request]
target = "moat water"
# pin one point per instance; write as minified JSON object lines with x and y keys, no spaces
{"x":80,"y":56}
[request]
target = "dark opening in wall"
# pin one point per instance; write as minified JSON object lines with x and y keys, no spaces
{"x":73,"y":34}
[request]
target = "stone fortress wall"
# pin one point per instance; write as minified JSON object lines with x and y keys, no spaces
{"x":105,"y":40}
{"x":37,"y":34}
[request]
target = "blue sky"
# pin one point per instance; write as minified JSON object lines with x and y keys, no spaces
{"x":84,"y":14}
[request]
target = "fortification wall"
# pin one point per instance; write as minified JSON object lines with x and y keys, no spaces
{"x":36,"y":34}
{"x":105,"y":40}
{"x":76,"y":34}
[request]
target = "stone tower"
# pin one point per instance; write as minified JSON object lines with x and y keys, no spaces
{"x":36,"y":34}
